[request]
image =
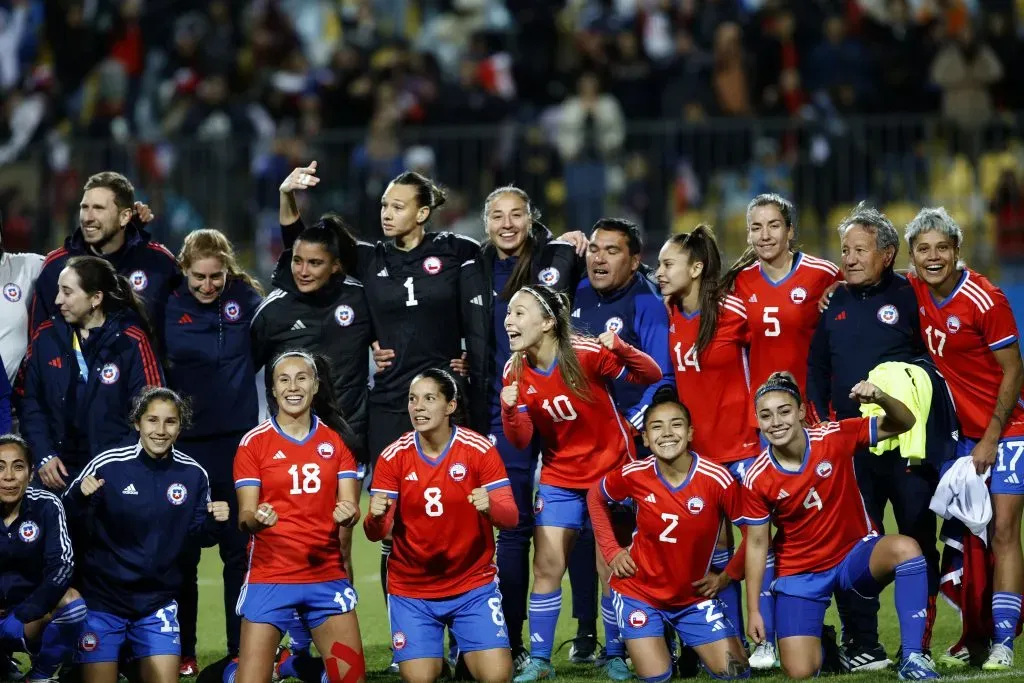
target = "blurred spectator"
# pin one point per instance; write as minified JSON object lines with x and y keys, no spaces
{"x":966,"y":69}
{"x":731,"y":75}
{"x":630,"y":78}
{"x":23,"y":113}
{"x":20,"y":21}
{"x":1007,"y":47}
{"x":1008,"y":207}
{"x":901,"y":51}
{"x":838,"y":61}
{"x":372,"y":166}
{"x":686,"y":79}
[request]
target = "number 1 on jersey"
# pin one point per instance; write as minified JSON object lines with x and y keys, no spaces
{"x":411,"y":300}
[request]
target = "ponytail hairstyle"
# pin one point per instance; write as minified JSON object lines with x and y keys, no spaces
{"x":701,"y":247}
{"x":334,"y":235}
{"x":667,"y":394}
{"x":555,"y":305}
{"x":428,"y":193}
{"x":207,"y":243}
{"x":749,"y":256}
{"x":449,"y":389}
{"x":520,"y":276}
{"x":142,"y":401}
{"x":325,"y":404}
{"x":97,"y":275}
{"x":779,"y":381}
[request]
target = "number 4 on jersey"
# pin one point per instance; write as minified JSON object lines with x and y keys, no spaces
{"x":813,"y":500}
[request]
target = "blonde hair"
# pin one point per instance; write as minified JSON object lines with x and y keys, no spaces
{"x":208,"y":243}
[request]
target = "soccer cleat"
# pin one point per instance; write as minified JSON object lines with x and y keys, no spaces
{"x":214,"y":673}
{"x":282,"y":656}
{"x":1000,"y":658}
{"x":956,"y":659}
{"x":535,"y":670}
{"x":189,"y":667}
{"x":917,"y":667}
{"x":9,"y":669}
{"x":864,"y":660}
{"x":393,"y":666}
{"x":764,"y":657}
{"x":520,"y":661}
{"x":615,"y":668}
{"x":583,"y":649}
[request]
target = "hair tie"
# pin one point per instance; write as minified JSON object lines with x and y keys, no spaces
{"x":783,"y":386}
{"x":538,"y":297}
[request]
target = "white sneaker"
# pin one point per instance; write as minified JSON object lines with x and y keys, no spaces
{"x":1000,"y":658}
{"x":764,"y":657}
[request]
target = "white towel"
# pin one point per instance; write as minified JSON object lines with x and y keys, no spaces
{"x":962,"y":494}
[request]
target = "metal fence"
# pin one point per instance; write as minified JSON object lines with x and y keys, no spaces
{"x":668,"y":175}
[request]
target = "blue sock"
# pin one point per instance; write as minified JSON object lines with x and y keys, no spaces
{"x":299,"y":636}
{"x":767,"y":601}
{"x":730,"y":597}
{"x":544,"y":609}
{"x":614,"y":646}
{"x":912,"y":603}
{"x":59,"y":640}
{"x":1005,"y":615}
{"x":230,"y":671}
{"x":287,"y":668}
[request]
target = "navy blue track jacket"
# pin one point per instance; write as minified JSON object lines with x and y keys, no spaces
{"x":136,"y":526}
{"x":36,"y":560}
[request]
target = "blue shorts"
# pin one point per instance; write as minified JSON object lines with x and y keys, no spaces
{"x":151,"y":636}
{"x":12,"y":633}
{"x":739,"y":468}
{"x":802,"y":599}
{"x":474,"y":618}
{"x":278,"y":603}
{"x":555,"y":506}
{"x":1008,"y":472}
{"x":696,"y":625}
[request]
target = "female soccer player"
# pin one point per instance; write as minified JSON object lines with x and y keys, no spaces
{"x":84,"y":368}
{"x":661,"y":579}
{"x":968,"y":326}
{"x":804,"y":483}
{"x":206,"y":334}
{"x":440,"y":491}
{"x":38,"y":611}
{"x":297,"y":484}
{"x":141,"y":505}
{"x":557,"y":384}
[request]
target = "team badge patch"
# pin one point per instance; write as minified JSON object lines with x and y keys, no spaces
{"x":457,"y":471}
{"x":88,"y":642}
{"x":548,"y":276}
{"x":888,"y":314}
{"x":638,"y":618}
{"x":398,"y":640}
{"x":798,"y":295}
{"x":493,"y":439}
{"x":695,"y":505}
{"x":824,"y":469}
{"x":12,"y":292}
{"x":232,"y":311}
{"x":177,"y":494}
{"x":538,"y":505}
{"x":432,"y":265}
{"x":325,"y":450}
{"x":110,"y":373}
{"x":344,"y":315}
{"x":613,"y":325}
{"x":138,"y":280}
{"x":28,"y":531}
{"x":953,"y":324}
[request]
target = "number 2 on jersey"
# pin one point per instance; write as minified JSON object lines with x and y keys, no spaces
{"x":689,"y":359}
{"x":672,"y":523}
{"x":310,"y":478}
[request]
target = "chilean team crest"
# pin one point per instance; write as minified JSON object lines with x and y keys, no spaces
{"x":548,"y":276}
{"x":344,"y":315}
{"x":138,"y":280}
{"x":432,"y":265}
{"x":28,"y":531}
{"x":798,"y":295}
{"x":12,"y":292}
{"x":888,"y":314}
{"x":953,"y":324}
{"x":325,"y":450}
{"x":398,"y":640}
{"x":493,"y":439}
{"x":177,"y":494}
{"x":538,"y":505}
{"x":824,"y":469}
{"x":695,"y":505}
{"x":88,"y":642}
{"x":613,"y":324}
{"x":232,"y":311}
{"x":638,"y":618}
{"x":110,"y":373}
{"x":457,"y":472}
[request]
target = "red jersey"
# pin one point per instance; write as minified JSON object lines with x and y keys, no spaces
{"x":818,"y":511}
{"x":715,"y":387}
{"x":442,"y":545}
{"x":580,"y":440}
{"x":300,"y":479}
{"x":961,"y":332}
{"x":676,"y":528}
{"x":782,"y":315}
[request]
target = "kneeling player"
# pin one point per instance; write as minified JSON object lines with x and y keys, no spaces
{"x":440,"y":491}
{"x":805,"y":484}
{"x":38,"y":611}
{"x":661,"y":579}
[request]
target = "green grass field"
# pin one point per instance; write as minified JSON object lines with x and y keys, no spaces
{"x":377,"y":638}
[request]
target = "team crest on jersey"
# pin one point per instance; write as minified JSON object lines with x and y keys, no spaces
{"x":457,"y":471}
{"x":138,"y":280}
{"x":953,"y":324}
{"x":638,"y":618}
{"x":110,"y":373}
{"x":798,"y":295}
{"x":325,"y":450}
{"x":12,"y":292}
{"x":344,"y":315}
{"x":824,"y":469}
{"x":888,"y":314}
{"x":88,"y":642}
{"x":177,"y":494}
{"x":538,"y":505}
{"x":695,"y":505}
{"x":232,"y":311}
{"x":398,"y":640}
{"x":28,"y":531}
{"x":432,"y":265}
{"x":548,"y":276}
{"x":493,"y":439}
{"x":613,"y":325}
